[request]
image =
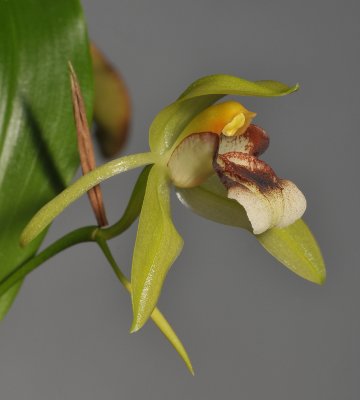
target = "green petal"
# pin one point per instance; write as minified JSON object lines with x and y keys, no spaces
{"x":210,"y":201}
{"x":166,"y":329}
{"x":294,"y":246}
{"x":171,"y":121}
{"x":157,"y":246}
{"x":227,"y":84}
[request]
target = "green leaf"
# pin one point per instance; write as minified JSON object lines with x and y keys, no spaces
{"x":38,"y":153}
{"x":294,"y":246}
{"x":172,"y":120}
{"x":157,"y":246}
{"x":8,"y":298}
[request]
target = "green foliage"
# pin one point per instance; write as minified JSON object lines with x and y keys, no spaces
{"x":38,"y":155}
{"x":296,"y":248}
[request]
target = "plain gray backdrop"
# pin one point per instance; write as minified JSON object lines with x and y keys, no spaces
{"x":253,"y":329}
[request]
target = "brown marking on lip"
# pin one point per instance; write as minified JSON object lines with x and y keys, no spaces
{"x":235,"y":168}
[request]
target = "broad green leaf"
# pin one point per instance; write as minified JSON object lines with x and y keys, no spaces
{"x":8,"y":298}
{"x":38,"y":152}
{"x":171,"y":121}
{"x":157,"y":246}
{"x":54,"y":207}
{"x":294,"y":246}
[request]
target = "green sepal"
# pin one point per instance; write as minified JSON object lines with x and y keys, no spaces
{"x":157,"y":246}
{"x":294,"y":246}
{"x":172,"y":120}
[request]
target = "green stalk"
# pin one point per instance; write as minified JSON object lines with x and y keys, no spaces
{"x":86,"y":234}
{"x":133,"y":207}
{"x":54,"y":207}
{"x":82,"y":235}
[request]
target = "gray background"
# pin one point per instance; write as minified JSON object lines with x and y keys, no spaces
{"x":253,"y":329}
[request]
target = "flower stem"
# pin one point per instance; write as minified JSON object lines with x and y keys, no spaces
{"x":81,"y":235}
{"x":133,"y":208}
{"x":86,"y":234}
{"x":54,"y":207}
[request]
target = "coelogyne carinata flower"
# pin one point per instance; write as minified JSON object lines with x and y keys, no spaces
{"x":210,"y":153}
{"x":231,"y":148}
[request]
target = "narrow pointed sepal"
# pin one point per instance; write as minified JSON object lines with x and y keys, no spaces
{"x":296,"y":248}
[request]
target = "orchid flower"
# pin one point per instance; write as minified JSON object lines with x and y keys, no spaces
{"x":209,"y":152}
{"x":229,"y":145}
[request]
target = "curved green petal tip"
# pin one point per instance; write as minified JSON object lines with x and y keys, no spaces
{"x":233,"y":85}
{"x":170,"y":122}
{"x":166,"y":329}
{"x":296,"y":248}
